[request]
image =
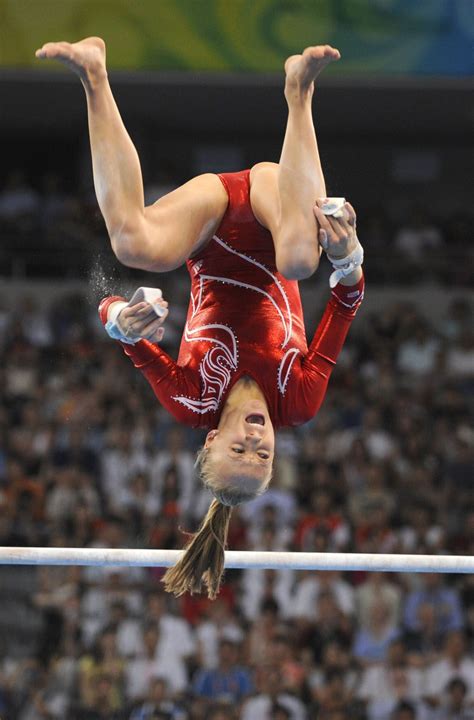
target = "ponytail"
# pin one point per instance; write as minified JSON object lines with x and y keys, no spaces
{"x":204,"y":556}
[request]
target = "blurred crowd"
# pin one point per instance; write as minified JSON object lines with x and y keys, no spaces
{"x":68,"y":229}
{"x":89,"y":459}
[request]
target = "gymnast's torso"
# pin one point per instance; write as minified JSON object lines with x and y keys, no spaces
{"x":245,"y":319}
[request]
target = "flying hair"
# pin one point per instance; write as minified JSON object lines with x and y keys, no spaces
{"x":204,"y":555}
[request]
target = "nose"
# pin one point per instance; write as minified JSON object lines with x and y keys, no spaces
{"x":254,"y":435}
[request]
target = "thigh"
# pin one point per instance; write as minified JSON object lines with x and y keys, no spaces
{"x":182,"y":222}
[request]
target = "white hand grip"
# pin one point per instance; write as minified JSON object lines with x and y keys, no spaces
{"x":333,"y":206}
{"x":149,"y":295}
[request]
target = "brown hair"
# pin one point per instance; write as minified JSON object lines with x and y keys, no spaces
{"x":204,"y":555}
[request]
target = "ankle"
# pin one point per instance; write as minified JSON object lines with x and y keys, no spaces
{"x":94,"y":79}
{"x":300,"y":106}
{"x":298,"y":98}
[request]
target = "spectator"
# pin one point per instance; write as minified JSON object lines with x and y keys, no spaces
{"x":332,"y":625}
{"x":293,"y":671}
{"x":148,"y":664}
{"x":385,"y":684}
{"x":272,"y":528}
{"x":219,"y":623}
{"x":377,"y":587}
{"x":371,"y":644}
{"x":229,"y":681}
{"x":374,"y":494}
{"x":310,"y":589}
{"x":261,"y":585}
{"x":334,"y":696}
{"x":418,"y":237}
{"x":424,"y":644}
{"x":460,"y":356}
{"x":102,"y":702}
{"x":176,"y":638}
{"x":137,"y":502}
{"x":322,"y":515}
{"x":404,"y":711}
{"x":174,"y":464}
{"x":389,"y":462}
{"x":417,"y":354}
{"x":18,"y":200}
{"x":101,"y":679}
{"x":444,"y":600}
{"x":335,"y":656}
{"x":270,"y":698}
{"x":454,"y":706}
{"x":58,"y":590}
{"x":455,"y":663}
{"x":458,"y":318}
{"x":127,"y":629}
{"x":420,"y":531}
{"x":263,"y":632}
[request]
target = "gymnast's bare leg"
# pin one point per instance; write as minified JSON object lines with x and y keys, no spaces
{"x":283,"y":195}
{"x":163,"y":235}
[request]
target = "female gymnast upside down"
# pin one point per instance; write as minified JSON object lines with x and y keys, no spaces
{"x":244,"y":366}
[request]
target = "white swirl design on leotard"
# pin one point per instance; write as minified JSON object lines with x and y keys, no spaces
{"x":286,"y":365}
{"x":287,"y":325}
{"x":221,"y":361}
{"x":216,"y":367}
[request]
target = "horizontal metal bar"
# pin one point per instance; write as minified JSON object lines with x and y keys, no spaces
{"x":240,"y":559}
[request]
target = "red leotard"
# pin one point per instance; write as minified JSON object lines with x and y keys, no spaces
{"x":245,"y":319}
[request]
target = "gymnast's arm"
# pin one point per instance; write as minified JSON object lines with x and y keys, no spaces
{"x":328,"y":341}
{"x":166,"y":378}
{"x":339,"y":239}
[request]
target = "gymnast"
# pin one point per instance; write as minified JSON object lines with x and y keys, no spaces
{"x":244,"y":366}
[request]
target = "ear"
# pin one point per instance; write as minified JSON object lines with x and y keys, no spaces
{"x":210,"y":437}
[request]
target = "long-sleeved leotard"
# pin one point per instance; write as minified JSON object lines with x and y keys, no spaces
{"x":245,"y":319}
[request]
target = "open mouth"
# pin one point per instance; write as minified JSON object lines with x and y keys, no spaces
{"x":255,"y":419}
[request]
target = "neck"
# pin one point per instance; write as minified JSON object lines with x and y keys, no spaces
{"x":244,"y":389}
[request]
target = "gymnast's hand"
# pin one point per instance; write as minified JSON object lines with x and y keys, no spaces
{"x":337,"y":236}
{"x":140,"y":322}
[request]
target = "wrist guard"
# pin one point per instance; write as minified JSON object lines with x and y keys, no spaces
{"x":143,"y":294}
{"x":113,"y":328}
{"x":345,"y":266}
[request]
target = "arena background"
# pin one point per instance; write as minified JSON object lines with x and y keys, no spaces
{"x":88,"y":458}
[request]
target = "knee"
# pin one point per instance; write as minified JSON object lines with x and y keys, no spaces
{"x":296,"y":261}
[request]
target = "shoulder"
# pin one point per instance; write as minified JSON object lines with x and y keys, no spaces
{"x":211,"y":190}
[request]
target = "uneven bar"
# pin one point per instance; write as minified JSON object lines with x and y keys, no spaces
{"x":103,"y":557}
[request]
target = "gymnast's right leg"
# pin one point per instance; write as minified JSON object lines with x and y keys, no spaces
{"x":162,"y":236}
{"x":283,"y":195}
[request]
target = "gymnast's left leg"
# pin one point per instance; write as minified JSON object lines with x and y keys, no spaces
{"x":283,"y":195}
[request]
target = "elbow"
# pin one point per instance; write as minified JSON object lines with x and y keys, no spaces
{"x":130,"y":258}
{"x":297,"y":260}
{"x":130,"y":248}
{"x":134,"y":248}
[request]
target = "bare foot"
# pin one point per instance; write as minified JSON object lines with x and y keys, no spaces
{"x":302,"y":70}
{"x":86,"y":58}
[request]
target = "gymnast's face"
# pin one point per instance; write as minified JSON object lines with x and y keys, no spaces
{"x":243,"y":445}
